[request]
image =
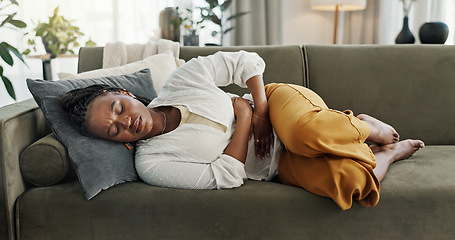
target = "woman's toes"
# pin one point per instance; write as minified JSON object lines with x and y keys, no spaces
{"x":381,"y":133}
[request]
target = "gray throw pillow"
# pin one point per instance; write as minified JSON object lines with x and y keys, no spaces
{"x":99,"y":163}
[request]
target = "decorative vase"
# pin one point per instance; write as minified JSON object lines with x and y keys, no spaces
{"x":433,"y":33}
{"x":170,"y":24}
{"x":405,"y":36}
{"x":191,"y":40}
{"x":47,"y":48}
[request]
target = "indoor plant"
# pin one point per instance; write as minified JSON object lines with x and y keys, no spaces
{"x":58,"y":35}
{"x":190,"y":26}
{"x":215,"y":12}
{"x":6,"y":50}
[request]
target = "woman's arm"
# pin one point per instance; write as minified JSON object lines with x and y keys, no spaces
{"x":256,"y":86}
{"x":238,"y":146}
{"x":182,"y":175}
{"x":224,"y":172}
{"x":262,"y":129}
{"x":244,"y":69}
{"x":226,"y":68}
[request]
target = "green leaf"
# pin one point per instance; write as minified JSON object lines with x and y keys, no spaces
{"x":52,"y":21}
{"x":56,"y":10}
{"x":16,"y":52}
{"x":225,"y":5}
{"x":212,"y":3}
{"x":9,"y":87}
{"x":7,"y":19}
{"x":26,"y":52}
{"x":4,"y":53}
{"x":14,"y":2}
{"x":236,"y":15}
{"x":90,"y":43}
{"x":18,"y":23}
{"x":228,"y":30}
{"x":215,"y":19}
{"x":40,"y":32}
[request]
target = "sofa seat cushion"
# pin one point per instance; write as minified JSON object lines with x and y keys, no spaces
{"x":416,"y":202}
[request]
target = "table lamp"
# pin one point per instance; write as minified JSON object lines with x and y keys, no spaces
{"x":338,"y":5}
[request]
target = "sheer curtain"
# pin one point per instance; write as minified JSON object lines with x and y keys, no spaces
{"x":262,"y":24}
{"x":381,"y":22}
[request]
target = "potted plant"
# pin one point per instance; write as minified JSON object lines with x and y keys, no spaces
{"x":220,"y":19}
{"x":190,"y":26}
{"x":6,"y":50}
{"x":58,"y":35}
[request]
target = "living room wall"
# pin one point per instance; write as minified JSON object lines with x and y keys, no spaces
{"x":303,"y":25}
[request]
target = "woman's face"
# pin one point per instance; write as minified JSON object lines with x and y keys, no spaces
{"x":118,"y":117}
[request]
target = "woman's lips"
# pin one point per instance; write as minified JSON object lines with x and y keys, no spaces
{"x":138,"y":125}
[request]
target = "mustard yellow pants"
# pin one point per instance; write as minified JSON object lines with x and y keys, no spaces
{"x":324,"y":151}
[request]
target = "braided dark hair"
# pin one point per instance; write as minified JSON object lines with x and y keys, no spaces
{"x":76,"y":101}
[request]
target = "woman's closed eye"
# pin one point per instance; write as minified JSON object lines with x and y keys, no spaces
{"x":116,"y":131}
{"x":121,"y":110}
{"x":118,"y":108}
{"x":113,"y":130}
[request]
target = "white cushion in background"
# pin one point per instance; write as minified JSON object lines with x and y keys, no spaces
{"x":161,"y":66}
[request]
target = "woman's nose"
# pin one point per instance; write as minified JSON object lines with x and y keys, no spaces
{"x":126,"y":122}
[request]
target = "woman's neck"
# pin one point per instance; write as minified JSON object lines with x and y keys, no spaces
{"x":166,"y":119}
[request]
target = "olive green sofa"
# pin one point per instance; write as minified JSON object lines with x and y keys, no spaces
{"x":411,"y":87}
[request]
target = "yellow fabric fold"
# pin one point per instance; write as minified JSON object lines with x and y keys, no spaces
{"x":325,"y":150}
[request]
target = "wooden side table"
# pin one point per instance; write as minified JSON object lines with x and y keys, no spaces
{"x":46,"y":59}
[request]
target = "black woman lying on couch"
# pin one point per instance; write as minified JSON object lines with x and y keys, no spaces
{"x":196,"y":136}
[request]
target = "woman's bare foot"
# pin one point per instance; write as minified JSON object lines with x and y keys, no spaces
{"x":401,"y":150}
{"x":375,"y":148}
{"x":380,"y":132}
{"x":387,"y":154}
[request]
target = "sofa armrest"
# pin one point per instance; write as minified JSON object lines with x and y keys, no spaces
{"x":21,"y":124}
{"x":90,"y":58}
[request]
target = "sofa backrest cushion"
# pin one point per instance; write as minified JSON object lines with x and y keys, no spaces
{"x":161,"y":66}
{"x":410,"y":87}
{"x":283,"y":63}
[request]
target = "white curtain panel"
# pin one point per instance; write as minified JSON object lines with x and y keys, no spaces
{"x":262,"y":24}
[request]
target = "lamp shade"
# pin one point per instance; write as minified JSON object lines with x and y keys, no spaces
{"x":343,"y":5}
